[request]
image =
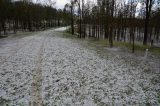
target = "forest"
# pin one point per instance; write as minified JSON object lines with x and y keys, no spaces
{"x":25,"y":15}
{"x":113,"y":20}
{"x":133,"y":21}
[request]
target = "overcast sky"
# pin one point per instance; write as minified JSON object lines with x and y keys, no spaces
{"x":61,"y":3}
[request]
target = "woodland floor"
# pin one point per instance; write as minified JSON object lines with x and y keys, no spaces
{"x":47,"y":69}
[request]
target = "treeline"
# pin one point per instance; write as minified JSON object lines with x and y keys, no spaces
{"x":27,"y":16}
{"x":119,"y":21}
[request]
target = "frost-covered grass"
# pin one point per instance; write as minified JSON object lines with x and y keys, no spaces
{"x":53,"y":70}
{"x":126,"y":45}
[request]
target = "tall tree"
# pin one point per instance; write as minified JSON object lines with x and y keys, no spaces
{"x":72,"y":15}
{"x":149,"y":4}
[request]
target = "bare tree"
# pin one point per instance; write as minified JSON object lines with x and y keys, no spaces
{"x":149,"y":4}
{"x":72,"y":16}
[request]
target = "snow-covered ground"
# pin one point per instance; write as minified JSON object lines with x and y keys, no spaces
{"x":61,"y":29}
{"x":46,"y":70}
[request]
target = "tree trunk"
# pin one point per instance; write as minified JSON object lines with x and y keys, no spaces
{"x":111,"y":37}
{"x":148,"y":11}
{"x":146,"y":30}
{"x":72,"y":20}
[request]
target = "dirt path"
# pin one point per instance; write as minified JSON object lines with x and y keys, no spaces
{"x":45,"y":69}
{"x":37,"y":80}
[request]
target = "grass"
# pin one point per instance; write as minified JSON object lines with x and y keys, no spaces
{"x":105,"y":43}
{"x":68,"y":34}
{"x":3,"y":37}
{"x":18,"y":34}
{"x":138,"y":47}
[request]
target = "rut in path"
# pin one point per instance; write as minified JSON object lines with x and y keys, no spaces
{"x":37,"y":80}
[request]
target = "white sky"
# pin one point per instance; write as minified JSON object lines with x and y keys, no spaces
{"x":60,"y":3}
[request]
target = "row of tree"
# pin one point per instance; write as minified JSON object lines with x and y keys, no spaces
{"x":28,"y":16}
{"x":108,"y":19}
{"x":118,"y":20}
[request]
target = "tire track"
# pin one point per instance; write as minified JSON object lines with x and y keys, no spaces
{"x":36,"y":95}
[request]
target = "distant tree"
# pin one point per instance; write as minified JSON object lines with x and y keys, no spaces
{"x":67,"y":14}
{"x":28,"y":16}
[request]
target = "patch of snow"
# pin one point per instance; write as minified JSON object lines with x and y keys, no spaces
{"x":61,"y":29}
{"x":72,"y":75}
